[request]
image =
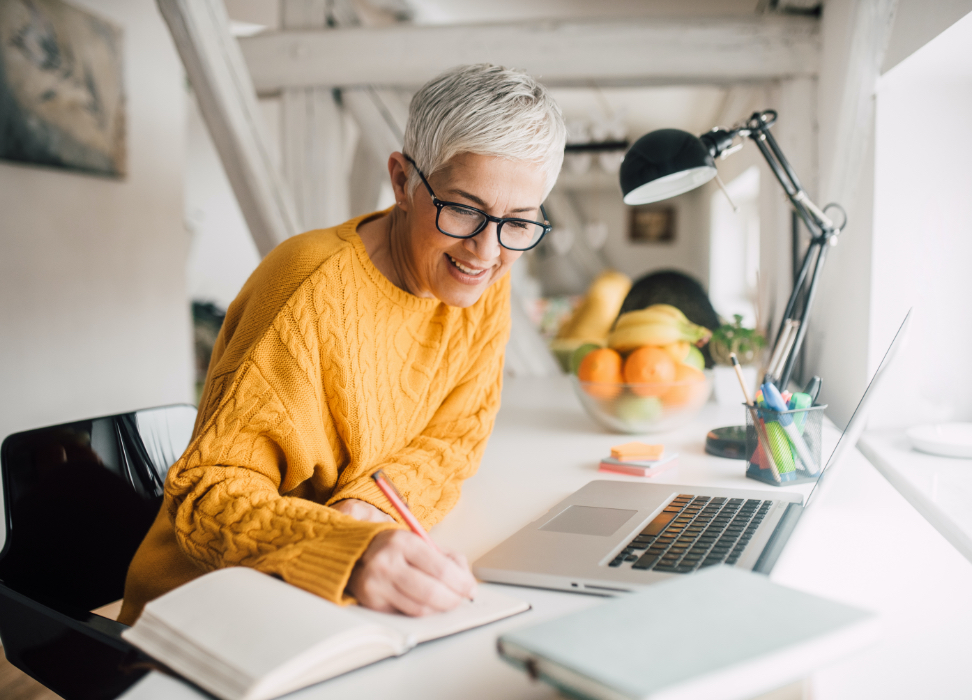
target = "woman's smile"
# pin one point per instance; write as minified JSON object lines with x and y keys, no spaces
{"x":466,"y":273}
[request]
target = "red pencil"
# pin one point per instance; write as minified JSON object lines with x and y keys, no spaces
{"x":398,"y":503}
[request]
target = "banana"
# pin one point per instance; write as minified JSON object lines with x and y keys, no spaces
{"x":661,"y":313}
{"x":670,"y":310}
{"x":656,"y":329}
{"x":631,"y":337}
{"x":592,"y":320}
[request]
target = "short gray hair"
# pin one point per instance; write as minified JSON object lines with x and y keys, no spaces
{"x":487,"y":110}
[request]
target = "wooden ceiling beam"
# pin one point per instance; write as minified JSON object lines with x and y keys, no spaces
{"x":200,"y":30}
{"x":718,"y":51}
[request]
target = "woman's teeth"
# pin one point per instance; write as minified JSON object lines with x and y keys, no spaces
{"x":467,"y":270}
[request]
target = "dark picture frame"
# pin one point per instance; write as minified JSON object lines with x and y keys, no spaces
{"x":652,"y":223}
{"x":62,"y":93}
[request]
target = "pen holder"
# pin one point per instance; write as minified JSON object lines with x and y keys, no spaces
{"x":788,"y":440}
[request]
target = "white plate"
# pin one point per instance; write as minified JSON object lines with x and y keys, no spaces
{"x":948,"y":439}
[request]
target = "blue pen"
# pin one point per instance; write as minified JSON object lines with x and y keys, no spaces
{"x":771,"y":395}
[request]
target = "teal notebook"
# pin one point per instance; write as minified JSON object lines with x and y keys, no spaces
{"x":720,"y":633}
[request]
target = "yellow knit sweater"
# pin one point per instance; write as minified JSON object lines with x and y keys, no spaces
{"x":323,"y":372}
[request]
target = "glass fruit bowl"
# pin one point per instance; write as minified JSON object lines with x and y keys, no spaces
{"x":643,"y":408}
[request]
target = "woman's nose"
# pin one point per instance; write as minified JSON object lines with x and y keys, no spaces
{"x":485,"y":245}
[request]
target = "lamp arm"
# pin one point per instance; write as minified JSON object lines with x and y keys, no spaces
{"x":818,"y":223}
{"x":819,"y":215}
{"x":797,"y":286}
{"x":757,"y":128}
{"x":759,"y":125}
{"x":811,"y":292}
{"x":822,"y":228}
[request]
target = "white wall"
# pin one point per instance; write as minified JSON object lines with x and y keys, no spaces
{"x":596,"y":197}
{"x":688,"y":253}
{"x":851,"y":319}
{"x":734,"y":247}
{"x":837,"y":339}
{"x":94,"y":314}
{"x":923,"y":229}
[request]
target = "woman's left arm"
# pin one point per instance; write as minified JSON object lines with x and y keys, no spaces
{"x":430,"y":470}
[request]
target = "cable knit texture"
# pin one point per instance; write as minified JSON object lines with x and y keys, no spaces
{"x":323,"y":373}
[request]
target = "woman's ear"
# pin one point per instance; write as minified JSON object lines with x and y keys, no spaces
{"x":398,"y":169}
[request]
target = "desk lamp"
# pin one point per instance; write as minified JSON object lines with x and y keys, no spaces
{"x":669,"y":162}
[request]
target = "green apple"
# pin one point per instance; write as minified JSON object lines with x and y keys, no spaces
{"x":638,"y":409}
{"x":694,"y":358}
{"x":579,"y":354}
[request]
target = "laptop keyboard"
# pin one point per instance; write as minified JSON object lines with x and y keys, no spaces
{"x":694,"y":532}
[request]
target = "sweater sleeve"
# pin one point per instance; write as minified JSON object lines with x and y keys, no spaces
{"x":260,"y":436}
{"x":429,"y":471}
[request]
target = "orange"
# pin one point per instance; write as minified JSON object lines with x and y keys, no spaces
{"x":604,"y":367}
{"x":689,"y":391}
{"x":649,"y":365}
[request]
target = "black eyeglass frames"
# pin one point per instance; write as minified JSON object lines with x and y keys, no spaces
{"x":462,"y":221}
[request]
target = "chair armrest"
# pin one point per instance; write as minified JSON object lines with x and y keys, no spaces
{"x":87,"y":623}
{"x":76,"y":654}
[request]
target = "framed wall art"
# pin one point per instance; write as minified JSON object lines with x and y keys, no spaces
{"x":62,"y":97}
{"x":651,"y":223}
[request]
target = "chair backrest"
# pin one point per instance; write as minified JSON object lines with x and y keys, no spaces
{"x":79,"y":498}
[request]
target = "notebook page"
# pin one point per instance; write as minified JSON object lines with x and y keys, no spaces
{"x":252,"y":622}
{"x":488,"y":606}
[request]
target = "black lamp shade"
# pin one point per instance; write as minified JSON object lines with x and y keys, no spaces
{"x":663,"y":164}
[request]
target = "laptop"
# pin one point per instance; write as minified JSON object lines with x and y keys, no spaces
{"x":614,"y":537}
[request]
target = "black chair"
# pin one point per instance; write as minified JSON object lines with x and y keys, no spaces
{"x":78,"y":500}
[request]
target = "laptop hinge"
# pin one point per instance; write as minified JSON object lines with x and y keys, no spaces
{"x":784,"y":528}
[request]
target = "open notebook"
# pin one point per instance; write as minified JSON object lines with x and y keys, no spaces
{"x":243,"y":635}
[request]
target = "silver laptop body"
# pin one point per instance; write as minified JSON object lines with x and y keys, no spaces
{"x":577,"y":544}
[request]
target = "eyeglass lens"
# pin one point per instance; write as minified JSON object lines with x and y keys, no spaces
{"x":463,"y":222}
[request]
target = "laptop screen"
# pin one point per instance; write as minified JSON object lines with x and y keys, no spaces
{"x":858,"y":421}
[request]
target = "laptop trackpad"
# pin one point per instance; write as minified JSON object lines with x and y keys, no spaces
{"x":586,"y":520}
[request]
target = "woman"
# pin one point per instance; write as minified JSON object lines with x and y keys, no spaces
{"x":377,"y":344}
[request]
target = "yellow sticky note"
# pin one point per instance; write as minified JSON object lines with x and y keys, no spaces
{"x":637,"y":450}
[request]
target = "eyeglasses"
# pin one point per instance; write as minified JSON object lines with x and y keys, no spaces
{"x":462,"y":221}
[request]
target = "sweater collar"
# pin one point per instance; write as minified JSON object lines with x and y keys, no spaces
{"x":348,"y":231}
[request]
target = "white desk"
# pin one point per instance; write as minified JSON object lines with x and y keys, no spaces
{"x":940,"y":488}
{"x":862,"y":544}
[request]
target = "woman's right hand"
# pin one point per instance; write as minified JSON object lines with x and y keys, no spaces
{"x":401,"y":573}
